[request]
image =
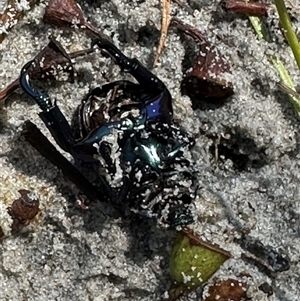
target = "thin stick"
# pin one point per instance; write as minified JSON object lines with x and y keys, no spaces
{"x":8,"y":90}
{"x":165,"y":22}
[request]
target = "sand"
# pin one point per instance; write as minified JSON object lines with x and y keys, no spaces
{"x":71,"y":254}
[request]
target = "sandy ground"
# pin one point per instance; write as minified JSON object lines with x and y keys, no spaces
{"x":71,"y":254}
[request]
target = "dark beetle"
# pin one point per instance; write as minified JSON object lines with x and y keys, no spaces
{"x":129,"y":127}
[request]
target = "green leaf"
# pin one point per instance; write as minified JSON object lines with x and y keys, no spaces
{"x":194,"y":261}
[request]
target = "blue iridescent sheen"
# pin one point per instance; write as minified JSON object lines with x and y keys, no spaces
{"x":150,"y":145}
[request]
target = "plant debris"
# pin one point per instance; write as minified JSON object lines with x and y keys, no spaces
{"x":193,"y":261}
{"x":50,"y":60}
{"x":224,"y":290}
{"x":23,"y":210}
{"x":165,"y":23}
{"x":206,"y":79}
{"x":257,"y":9}
{"x":63,"y":13}
{"x":8,"y":90}
{"x":49,"y":63}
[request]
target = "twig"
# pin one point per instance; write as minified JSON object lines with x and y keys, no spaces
{"x":8,"y":90}
{"x":165,"y":22}
{"x":257,"y":9}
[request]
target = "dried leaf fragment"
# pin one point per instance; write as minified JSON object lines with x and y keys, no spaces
{"x":224,"y":290}
{"x":24,"y":208}
{"x":52,"y":59}
{"x":49,"y":63}
{"x":206,"y":79}
{"x":63,"y":13}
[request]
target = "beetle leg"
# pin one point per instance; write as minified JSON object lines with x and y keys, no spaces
{"x":158,"y":107}
{"x":51,"y":115}
{"x":53,"y":118}
{"x":144,"y":76}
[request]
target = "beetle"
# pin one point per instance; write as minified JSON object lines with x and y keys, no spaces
{"x":129,"y":127}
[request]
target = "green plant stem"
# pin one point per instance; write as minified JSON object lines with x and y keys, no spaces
{"x":288,"y":29}
{"x":258,"y":27}
{"x":286,"y":79}
{"x":277,"y":63}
